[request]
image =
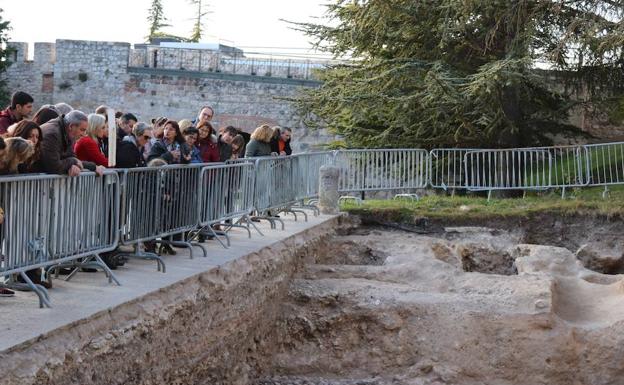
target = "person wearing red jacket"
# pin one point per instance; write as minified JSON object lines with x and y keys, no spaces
{"x":208,"y":143}
{"x":87,"y":148}
{"x":20,"y":108}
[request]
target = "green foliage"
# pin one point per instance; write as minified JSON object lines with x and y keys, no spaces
{"x":6,"y":54}
{"x":462,"y":72}
{"x":156,"y":18}
{"x":198,"y":29}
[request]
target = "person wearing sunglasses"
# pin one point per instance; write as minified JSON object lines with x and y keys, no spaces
{"x":131,"y":151}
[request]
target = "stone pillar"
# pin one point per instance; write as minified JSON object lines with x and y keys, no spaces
{"x":328,"y":190}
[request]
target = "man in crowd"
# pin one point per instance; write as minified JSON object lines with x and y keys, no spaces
{"x":126,"y":124}
{"x":280,"y":144}
{"x":20,"y":108}
{"x":225,"y":141}
{"x":205,"y":116}
{"x":57,"y":154}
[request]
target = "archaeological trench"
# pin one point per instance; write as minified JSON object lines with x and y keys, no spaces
{"x":356,"y":300}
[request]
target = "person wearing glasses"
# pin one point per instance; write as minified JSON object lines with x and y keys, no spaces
{"x":205,"y":115}
{"x":131,"y":151}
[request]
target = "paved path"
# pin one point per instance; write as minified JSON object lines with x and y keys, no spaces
{"x":88,"y":293}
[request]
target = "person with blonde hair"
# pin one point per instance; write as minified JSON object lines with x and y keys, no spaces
{"x":260,"y":143}
{"x":184,"y":124}
{"x":17,"y":151}
{"x":87,"y":148}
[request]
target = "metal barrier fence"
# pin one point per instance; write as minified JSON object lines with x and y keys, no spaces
{"x":380,"y":170}
{"x":50,"y":219}
{"x":507,"y":169}
{"x":447,"y":168}
{"x":218,"y":203}
{"x":605,"y":163}
{"x":274,"y":188}
{"x":158,"y":202}
{"x":504,"y":169}
{"x":306,"y":173}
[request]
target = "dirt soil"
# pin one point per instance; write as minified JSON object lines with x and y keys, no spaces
{"x":460,"y":305}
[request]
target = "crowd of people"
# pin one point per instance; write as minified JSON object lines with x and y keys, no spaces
{"x":58,"y":139}
{"x":61,"y":140}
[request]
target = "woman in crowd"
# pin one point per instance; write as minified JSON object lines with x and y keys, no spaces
{"x":190,"y":136}
{"x":208,"y":143}
{"x":238,"y":147}
{"x":260,"y":143}
{"x":30,"y":131}
{"x":88,"y":147}
{"x":158,"y":128}
{"x":171,"y":147}
{"x":44,"y":115}
{"x":16,"y":152}
{"x":131,"y":150}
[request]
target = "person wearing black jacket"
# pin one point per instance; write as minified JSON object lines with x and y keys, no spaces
{"x":280,"y":144}
{"x":172,"y":147}
{"x":225,"y":141}
{"x":131,"y":150}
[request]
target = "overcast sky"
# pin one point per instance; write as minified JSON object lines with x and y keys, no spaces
{"x":244,"y":23}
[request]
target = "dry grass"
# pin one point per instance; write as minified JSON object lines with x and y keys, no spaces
{"x":585,"y":202}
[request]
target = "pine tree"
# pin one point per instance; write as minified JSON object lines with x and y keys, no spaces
{"x":156,"y":19}
{"x":198,"y":30}
{"x":463,"y":72}
{"x":5,"y":59}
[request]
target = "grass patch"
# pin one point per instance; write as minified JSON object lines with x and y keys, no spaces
{"x":581,"y":201}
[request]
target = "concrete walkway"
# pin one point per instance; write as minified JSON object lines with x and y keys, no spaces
{"x":21,"y":319}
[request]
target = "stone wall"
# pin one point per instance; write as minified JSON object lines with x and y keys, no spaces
{"x":33,"y":76}
{"x":87,"y":74}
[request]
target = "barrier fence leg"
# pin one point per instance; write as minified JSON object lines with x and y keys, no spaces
{"x":160,"y":264}
{"x":192,"y":242}
{"x":211,"y":230}
{"x":238,"y":224}
{"x":309,"y":206}
{"x":184,"y":244}
{"x":223,"y":234}
{"x":289,"y":211}
{"x":605,"y":193}
{"x":294,"y":211}
{"x":42,"y":293}
{"x":111,"y":276}
{"x":93,"y":262}
{"x":250,"y":223}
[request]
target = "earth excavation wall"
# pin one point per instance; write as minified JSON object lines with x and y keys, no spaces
{"x":345,"y":303}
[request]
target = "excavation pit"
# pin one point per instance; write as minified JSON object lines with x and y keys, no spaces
{"x":337,"y":302}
